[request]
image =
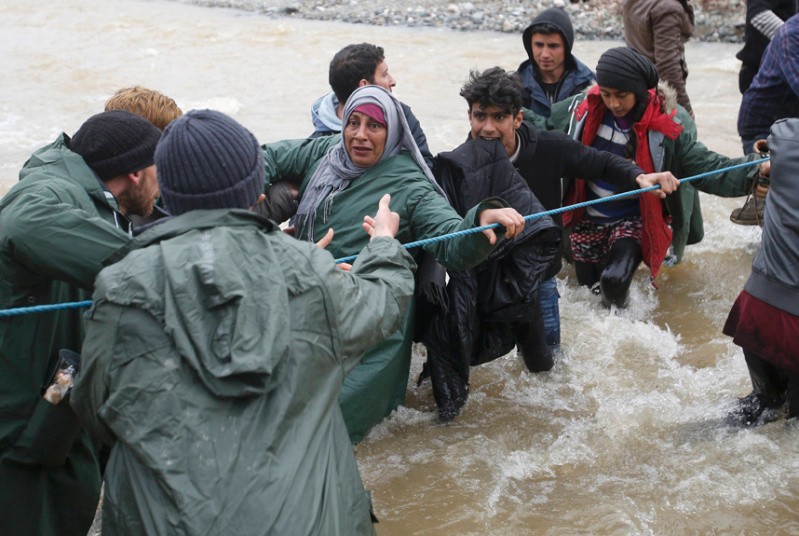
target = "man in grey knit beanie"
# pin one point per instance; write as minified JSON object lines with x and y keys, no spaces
{"x":207,"y":160}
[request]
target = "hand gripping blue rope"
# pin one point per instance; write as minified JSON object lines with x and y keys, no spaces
{"x":529,"y":217}
{"x":410,"y":245}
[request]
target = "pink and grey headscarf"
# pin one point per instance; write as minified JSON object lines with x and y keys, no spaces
{"x":337,"y":170}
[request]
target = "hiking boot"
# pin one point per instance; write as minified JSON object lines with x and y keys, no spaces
{"x":751,"y":213}
{"x":754,"y":411}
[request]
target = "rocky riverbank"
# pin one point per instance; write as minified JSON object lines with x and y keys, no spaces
{"x":716,"y":20}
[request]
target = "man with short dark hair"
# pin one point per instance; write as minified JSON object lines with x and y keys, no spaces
{"x":352,"y":67}
{"x":551,"y":73}
{"x":65,"y":216}
{"x":546,"y":161}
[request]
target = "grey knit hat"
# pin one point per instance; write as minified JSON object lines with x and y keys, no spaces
{"x":207,"y":160}
{"x":626,"y":69}
{"x":116,"y":142}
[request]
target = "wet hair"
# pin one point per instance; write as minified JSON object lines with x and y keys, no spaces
{"x":152,"y":105}
{"x":494,"y":87}
{"x":352,"y":64}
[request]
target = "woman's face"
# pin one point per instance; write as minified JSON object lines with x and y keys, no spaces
{"x":364,"y":139}
{"x":618,"y":102}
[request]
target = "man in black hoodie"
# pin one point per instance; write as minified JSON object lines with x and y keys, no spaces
{"x":551,"y":73}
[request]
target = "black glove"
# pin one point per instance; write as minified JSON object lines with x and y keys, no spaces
{"x":280,"y":203}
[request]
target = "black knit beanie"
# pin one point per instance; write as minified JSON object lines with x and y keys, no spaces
{"x":558,"y":18}
{"x":207,"y":160}
{"x":116,"y":142}
{"x":626,"y":69}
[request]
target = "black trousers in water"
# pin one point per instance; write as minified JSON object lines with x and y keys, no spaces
{"x":614,"y":273}
{"x":772,"y":385}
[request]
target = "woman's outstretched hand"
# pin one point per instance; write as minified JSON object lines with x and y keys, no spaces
{"x":385,"y":222}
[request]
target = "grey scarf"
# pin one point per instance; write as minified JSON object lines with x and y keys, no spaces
{"x":336,"y":170}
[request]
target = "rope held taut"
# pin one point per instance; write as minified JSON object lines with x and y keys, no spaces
{"x":410,"y":245}
{"x":45,"y":308}
{"x":418,"y":243}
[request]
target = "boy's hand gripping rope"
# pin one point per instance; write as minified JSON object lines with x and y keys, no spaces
{"x":417,"y":243}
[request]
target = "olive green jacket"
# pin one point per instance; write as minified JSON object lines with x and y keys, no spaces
{"x":378,"y":385}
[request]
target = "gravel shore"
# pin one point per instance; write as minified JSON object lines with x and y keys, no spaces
{"x":716,"y":20}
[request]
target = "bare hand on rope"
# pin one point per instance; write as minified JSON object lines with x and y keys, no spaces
{"x":668,"y":183}
{"x":509,"y":218}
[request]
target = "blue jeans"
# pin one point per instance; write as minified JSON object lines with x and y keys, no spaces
{"x":548,"y":297}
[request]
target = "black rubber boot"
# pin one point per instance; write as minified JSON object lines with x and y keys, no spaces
{"x":753,"y":410}
{"x":767,"y":400}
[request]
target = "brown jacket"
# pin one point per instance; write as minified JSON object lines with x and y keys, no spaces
{"x":659,"y":29}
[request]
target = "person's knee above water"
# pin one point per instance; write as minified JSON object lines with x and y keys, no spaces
{"x":631,"y":114}
{"x":216,"y":350}
{"x":342,"y":177}
{"x":354,"y":66}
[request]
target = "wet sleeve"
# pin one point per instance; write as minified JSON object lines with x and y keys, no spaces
{"x":293,"y":160}
{"x":91,"y":386}
{"x":583,"y":162}
{"x":55,"y":239}
{"x":367,"y":304}
{"x":432,"y":216}
{"x":694,"y":158}
{"x":669,"y":53}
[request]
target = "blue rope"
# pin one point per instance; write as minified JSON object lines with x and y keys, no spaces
{"x":44,"y":308}
{"x":409,"y":245}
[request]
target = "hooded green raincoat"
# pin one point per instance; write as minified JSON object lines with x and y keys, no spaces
{"x":57,"y":225}
{"x":214,"y":356}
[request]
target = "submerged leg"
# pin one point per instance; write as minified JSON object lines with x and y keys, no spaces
{"x":769,"y":387}
{"x":587,"y":273}
{"x":550,"y":312}
{"x":623,"y":259}
{"x":531,"y":341}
